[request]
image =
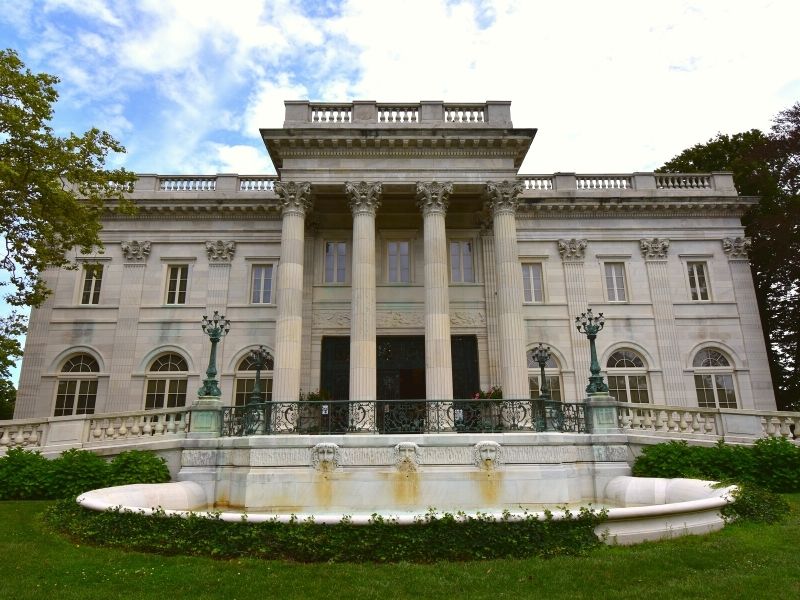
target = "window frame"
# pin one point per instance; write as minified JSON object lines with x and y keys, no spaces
{"x":80,"y":380}
{"x":625,"y":287}
{"x":551,"y":372}
{"x":626,"y":373}
{"x":387,"y":260}
{"x":95,"y":284}
{"x":251,"y":296}
{"x":462,"y":241}
{"x":533,"y":300}
{"x":714,"y":372}
{"x":241,"y":378}
{"x":338,"y":268}
{"x":171,"y":379}
{"x":689,"y":263}
{"x":169,"y":267}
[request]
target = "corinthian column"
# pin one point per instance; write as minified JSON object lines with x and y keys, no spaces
{"x":364,"y":201}
{"x":503,"y":200}
{"x":432,"y":199}
{"x":295,"y":199}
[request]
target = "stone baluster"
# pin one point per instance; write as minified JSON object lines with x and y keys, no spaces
{"x":654,"y":252}
{"x":432,"y":199}
{"x":295,"y":199}
{"x":364,"y":200}
{"x":503,"y":199}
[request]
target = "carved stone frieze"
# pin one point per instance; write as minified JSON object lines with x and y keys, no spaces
{"x":135,"y":250}
{"x":220,"y":251}
{"x":463,"y":318}
{"x":364,"y":197}
{"x":433,"y":196}
{"x":503,"y":196}
{"x":396,"y":318}
{"x":332,"y":319}
{"x":487,"y":456}
{"x":572,"y":250}
{"x":400,"y":319}
{"x":737,"y":248}
{"x":654,"y":248}
{"x":294,"y":197}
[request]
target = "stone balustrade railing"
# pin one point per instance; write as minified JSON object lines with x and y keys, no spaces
{"x":650,"y":418}
{"x":81,"y":430}
{"x":652,"y":183}
{"x":230,"y":183}
{"x":368,"y":113}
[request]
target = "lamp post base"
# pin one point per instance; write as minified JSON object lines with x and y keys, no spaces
{"x":603,"y":416}
{"x":206,"y":420}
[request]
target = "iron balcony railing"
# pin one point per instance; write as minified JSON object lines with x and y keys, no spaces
{"x":332,"y":417}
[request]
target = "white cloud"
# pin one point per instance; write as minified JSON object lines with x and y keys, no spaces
{"x":241,"y":159}
{"x":265,"y":104}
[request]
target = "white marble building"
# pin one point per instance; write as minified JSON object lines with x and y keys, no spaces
{"x":399,"y":254}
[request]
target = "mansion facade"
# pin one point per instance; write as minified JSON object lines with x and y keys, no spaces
{"x":399,"y":254}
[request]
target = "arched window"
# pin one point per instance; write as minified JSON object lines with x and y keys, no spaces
{"x":246,"y":379}
{"x":627,"y":377}
{"x":77,"y":386}
{"x":713,"y":379}
{"x":552,"y":371}
{"x":166,"y":382}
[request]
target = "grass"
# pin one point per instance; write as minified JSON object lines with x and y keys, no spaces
{"x":742,"y":561}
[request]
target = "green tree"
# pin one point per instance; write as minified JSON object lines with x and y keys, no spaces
{"x":767,"y":166}
{"x":54,"y":190}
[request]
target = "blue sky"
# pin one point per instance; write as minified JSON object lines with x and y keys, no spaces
{"x":612,"y":86}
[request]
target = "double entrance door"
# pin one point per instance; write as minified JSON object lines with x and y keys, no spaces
{"x":400,"y":376}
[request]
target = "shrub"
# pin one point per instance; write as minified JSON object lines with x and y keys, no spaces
{"x":753,"y":503}
{"x":24,"y":475}
{"x":778,"y":465}
{"x":434,"y":537}
{"x":137,"y":466}
{"x":75,"y":472}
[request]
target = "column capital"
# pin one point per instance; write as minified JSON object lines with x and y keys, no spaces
{"x":573,"y":250}
{"x":220,"y":251}
{"x":503,"y":196}
{"x":294,"y":197}
{"x":654,"y":248}
{"x":135,"y":250}
{"x":737,"y":248}
{"x":365,"y":198}
{"x":433,"y":197}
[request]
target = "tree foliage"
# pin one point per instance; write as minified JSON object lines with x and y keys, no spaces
{"x":53,"y":188}
{"x":767,"y":166}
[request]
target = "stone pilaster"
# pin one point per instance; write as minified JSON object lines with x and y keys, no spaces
{"x":654,"y":252}
{"x":364,"y":200}
{"x":220,"y":253}
{"x":573,"y":253}
{"x":295,"y":199}
{"x":503,"y":200}
{"x":737,"y":249}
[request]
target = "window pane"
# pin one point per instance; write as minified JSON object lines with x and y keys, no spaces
{"x":455,"y":261}
{"x":616,"y":387}
{"x":87,"y":396}
{"x":615,"y":282}
{"x":177,"y":393}
{"x":154,"y":398}
{"x":526,"y":283}
{"x":725,"y":391}
{"x":469,"y":273}
{"x":705,"y":391}
{"x":638,"y":388}
{"x":92,"y":280}
{"x":65,"y":398}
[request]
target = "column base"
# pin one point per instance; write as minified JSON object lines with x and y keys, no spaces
{"x":206,"y":417}
{"x":603,"y":417}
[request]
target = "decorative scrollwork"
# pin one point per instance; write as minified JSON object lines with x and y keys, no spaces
{"x":503,"y":196}
{"x":654,"y":248}
{"x":135,"y":250}
{"x":572,"y":250}
{"x":433,"y":196}
{"x":220,"y":251}
{"x":737,"y":248}
{"x":294,"y":197}
{"x":365,"y":198}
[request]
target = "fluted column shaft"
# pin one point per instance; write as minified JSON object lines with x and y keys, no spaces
{"x":295,"y":199}
{"x":364,"y":201}
{"x":572,"y":254}
{"x":510,"y":325}
{"x":433,"y":200}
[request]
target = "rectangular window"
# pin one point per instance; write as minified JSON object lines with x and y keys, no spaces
{"x":65,"y":398}
{"x":704,"y":385}
{"x":244,"y":387}
{"x":171,"y":392}
{"x":532,"y":282}
{"x":698,"y":281}
{"x":615,"y":282}
{"x":553,"y":381}
{"x":461,"y":262}
{"x":335,"y":262}
{"x":92,"y":280}
{"x":177,"y":284}
{"x":398,"y":261}
{"x":262,"y":284}
{"x":75,"y":396}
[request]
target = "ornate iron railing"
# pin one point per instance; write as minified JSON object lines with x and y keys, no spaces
{"x":403,"y":416}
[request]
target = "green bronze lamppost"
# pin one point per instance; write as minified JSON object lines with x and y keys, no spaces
{"x":215,"y":327}
{"x":591,"y":325}
{"x":541,"y":354}
{"x":260,"y":356}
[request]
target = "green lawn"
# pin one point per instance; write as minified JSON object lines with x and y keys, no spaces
{"x":745,"y":561}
